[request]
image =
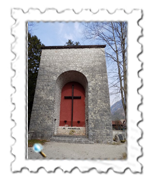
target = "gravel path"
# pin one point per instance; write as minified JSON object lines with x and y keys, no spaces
{"x":57,"y":150}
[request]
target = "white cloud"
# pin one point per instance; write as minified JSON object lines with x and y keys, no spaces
{"x":61,"y":28}
{"x":68,"y":36}
{"x":78,"y":29}
{"x":68,"y":30}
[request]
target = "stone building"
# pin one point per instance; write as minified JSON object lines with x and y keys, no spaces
{"x":71,"y":102}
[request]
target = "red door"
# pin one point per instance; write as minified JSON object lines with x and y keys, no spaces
{"x":72,"y":107}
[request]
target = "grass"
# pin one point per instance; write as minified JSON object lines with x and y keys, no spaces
{"x":123,"y":141}
{"x":124,"y":156}
{"x":118,"y":143}
{"x":71,"y":132}
{"x":33,"y":141}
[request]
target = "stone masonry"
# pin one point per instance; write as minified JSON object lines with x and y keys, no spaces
{"x":58,"y":66}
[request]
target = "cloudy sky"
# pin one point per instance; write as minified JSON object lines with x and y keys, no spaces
{"x":58,"y":33}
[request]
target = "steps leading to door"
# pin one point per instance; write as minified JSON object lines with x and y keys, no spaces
{"x":71,"y":139}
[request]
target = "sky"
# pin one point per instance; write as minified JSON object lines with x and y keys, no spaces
{"x":58,"y":33}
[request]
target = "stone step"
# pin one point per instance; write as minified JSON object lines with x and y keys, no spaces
{"x":71,"y":139}
{"x":69,"y":136}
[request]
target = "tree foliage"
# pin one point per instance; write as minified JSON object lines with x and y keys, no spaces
{"x":34,"y":53}
{"x":114,"y":35}
{"x":72,"y":43}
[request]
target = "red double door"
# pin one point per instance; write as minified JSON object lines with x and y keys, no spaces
{"x":72,"y":107}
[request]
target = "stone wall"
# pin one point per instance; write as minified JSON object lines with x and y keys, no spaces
{"x":59,"y":66}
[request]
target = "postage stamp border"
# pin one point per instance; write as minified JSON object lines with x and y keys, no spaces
{"x":11,"y":56}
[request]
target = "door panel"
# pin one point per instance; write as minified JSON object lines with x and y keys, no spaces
{"x":78,"y":105}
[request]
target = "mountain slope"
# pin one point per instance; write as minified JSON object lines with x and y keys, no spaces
{"x":117,"y":111}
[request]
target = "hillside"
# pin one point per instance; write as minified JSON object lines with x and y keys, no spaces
{"x":117,"y":111}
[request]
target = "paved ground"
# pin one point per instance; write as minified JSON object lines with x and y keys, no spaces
{"x":57,"y":150}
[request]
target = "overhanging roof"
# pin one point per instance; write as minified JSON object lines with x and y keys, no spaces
{"x":73,"y":47}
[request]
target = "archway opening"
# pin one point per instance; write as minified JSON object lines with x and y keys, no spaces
{"x":80,"y":122}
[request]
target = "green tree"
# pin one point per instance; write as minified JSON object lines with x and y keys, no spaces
{"x":71,"y":43}
{"x":34,"y":53}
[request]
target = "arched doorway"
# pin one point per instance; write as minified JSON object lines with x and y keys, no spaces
{"x":72,"y":107}
{"x":81,"y":128}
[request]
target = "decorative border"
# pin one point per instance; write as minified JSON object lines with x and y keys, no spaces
{"x":9,"y":90}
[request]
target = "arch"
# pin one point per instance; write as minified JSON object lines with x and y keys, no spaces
{"x":64,"y":78}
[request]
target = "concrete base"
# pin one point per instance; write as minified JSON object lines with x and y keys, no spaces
{"x":72,"y":131}
{"x":71,"y":139}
